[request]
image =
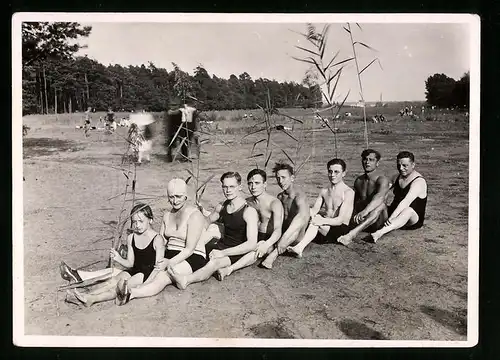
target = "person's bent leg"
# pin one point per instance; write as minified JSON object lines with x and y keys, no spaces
{"x":103,"y":294}
{"x":93,"y":274}
{"x":375,"y":217}
{"x":108,"y":284}
{"x":407,"y":216}
{"x":182,"y":281}
{"x":247,"y":260}
{"x":309,"y":236}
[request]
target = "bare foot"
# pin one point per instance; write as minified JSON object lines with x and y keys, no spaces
{"x":222,"y":273}
{"x":268,"y":264}
{"x":122,"y":293}
{"x":179,"y":280}
{"x":292,"y":250}
{"x":82,"y":298}
{"x":374,"y":237}
{"x":345,"y":239}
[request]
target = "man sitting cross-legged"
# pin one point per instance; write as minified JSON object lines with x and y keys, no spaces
{"x":240,"y":233}
{"x":270,"y":211}
{"x":338,"y":200}
{"x":371,"y":190}
{"x":407,"y":210}
{"x":296,"y":212}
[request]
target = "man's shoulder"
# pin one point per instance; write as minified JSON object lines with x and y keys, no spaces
{"x":348,"y":189}
{"x":381,"y":178}
{"x":359,"y":178}
{"x":250,"y":211}
{"x":419,"y":179}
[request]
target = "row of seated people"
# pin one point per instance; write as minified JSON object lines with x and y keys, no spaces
{"x":256,"y":229}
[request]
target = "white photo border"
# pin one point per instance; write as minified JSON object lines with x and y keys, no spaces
{"x":19,"y":337}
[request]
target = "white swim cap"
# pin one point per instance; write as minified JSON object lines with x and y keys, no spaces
{"x":177,"y":186}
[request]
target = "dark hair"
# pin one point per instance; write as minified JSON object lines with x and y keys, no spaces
{"x":367,"y":152}
{"x":282,"y":166}
{"x":231,"y":174}
{"x":337,"y":162}
{"x":142,"y":208}
{"x":406,"y":154}
{"x":257,"y":172}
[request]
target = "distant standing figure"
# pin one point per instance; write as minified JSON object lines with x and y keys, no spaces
{"x":407,"y":210}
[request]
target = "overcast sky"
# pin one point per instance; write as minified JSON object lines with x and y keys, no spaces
{"x":408,"y":53}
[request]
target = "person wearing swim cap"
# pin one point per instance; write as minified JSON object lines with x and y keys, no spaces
{"x":181,"y":229}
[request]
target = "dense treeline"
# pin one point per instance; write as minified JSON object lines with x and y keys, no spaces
{"x":445,"y":92}
{"x":56,"y":81}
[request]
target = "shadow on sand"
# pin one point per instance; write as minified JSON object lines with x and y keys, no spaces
{"x":359,"y":331}
{"x":456,"y":322}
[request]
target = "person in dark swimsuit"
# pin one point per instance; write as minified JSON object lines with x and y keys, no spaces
{"x":185,"y":250}
{"x":407,"y":211}
{"x":270,"y":211}
{"x":240,"y":233}
{"x":145,"y":248}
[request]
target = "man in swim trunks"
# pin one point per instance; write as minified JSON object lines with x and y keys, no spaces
{"x":371,"y":188}
{"x":296,"y":212}
{"x":407,"y":210}
{"x":181,"y":229}
{"x":240,"y":233}
{"x":338,"y":200}
{"x":270,"y":211}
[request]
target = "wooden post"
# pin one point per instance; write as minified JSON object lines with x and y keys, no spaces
{"x":45,"y":89}
{"x":87,"y":85}
{"x":70,"y":106}
{"x":39,"y":80}
{"x":55,"y":100}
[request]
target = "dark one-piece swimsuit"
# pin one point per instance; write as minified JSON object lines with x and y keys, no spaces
{"x":235,"y":231}
{"x":418,"y":205}
{"x":144,"y":259}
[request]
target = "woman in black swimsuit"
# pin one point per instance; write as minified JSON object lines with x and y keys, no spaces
{"x":145,"y":248}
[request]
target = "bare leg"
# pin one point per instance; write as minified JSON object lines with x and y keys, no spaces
{"x":378,"y":215}
{"x":247,"y":260}
{"x":407,"y":216}
{"x":182,"y":281}
{"x":271,"y":258}
{"x":159,"y":282}
{"x":309,"y":236}
{"x":107,"y":293}
{"x":93,"y":274}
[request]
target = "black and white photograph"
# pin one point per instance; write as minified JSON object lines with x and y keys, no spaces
{"x":245,"y":180}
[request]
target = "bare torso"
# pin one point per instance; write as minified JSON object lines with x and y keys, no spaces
{"x":263,"y":205}
{"x":333,"y":198}
{"x":365,"y":187}
{"x":290,"y":206}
